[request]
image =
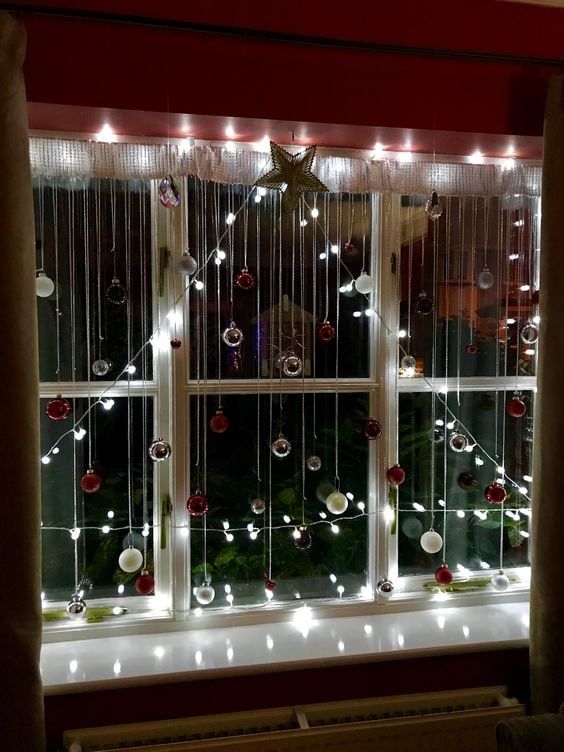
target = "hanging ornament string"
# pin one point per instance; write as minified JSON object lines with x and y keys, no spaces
{"x":303,"y":308}
{"x":145,"y":370}
{"x":462,"y":240}
{"x":471,"y":347}
{"x":41,"y":200}
{"x":75,"y":533}
{"x":410,"y":269}
{"x":97,"y":219}
{"x":86,"y":227}
{"x":55,"y":200}
{"x":337,"y":321}
{"x":129,"y":375}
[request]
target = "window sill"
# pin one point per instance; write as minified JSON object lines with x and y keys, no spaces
{"x":116,"y":662}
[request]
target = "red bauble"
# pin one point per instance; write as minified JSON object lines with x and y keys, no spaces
{"x":245,"y":280}
{"x":516,"y":407}
{"x":471,"y":349}
{"x":326,"y":332}
{"x":350,"y":247}
{"x":58,"y":408}
{"x":395,"y":475}
{"x":219,"y":423}
{"x":373,"y":429}
{"x":197,"y":504}
{"x":443,"y":575}
{"x":90,"y":481}
{"x":270,"y":585}
{"x":495,"y":493}
{"x":535,"y":297}
{"x":175,"y":343}
{"x":145,"y":583}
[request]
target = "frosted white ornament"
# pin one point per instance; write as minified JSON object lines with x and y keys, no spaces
{"x":205,"y":594}
{"x":44,"y":285}
{"x":431,"y":542}
{"x":186,"y":265}
{"x":130,"y":560}
{"x":500,"y":581}
{"x":337,"y":502}
{"x":364,"y":284}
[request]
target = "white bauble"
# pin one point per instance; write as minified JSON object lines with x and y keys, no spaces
{"x":205,"y":594}
{"x":337,"y":502}
{"x":364,"y":284}
{"x":44,"y":285}
{"x":431,"y":542}
{"x":130,"y":559}
{"x":500,"y":581}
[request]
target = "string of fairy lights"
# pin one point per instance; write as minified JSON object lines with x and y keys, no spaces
{"x":199,"y":277}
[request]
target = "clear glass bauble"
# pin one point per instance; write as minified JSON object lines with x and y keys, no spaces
{"x":186,"y":265}
{"x":159,"y":450}
{"x":385,"y":588}
{"x":407,"y":365}
{"x":529,"y":334}
{"x":130,"y":560}
{"x":292,"y":365}
{"x":337,"y":502}
{"x":232,"y":335}
{"x":423,"y":305}
{"x":76,"y":608}
{"x":44,"y":285}
{"x":500,"y":581}
{"x":115,"y":293}
{"x":302,"y":539}
{"x":433,"y":207}
{"x":458,"y":441}
{"x":431,"y":542}
{"x":485,"y":279}
{"x":313,"y":463}
{"x":281,"y":447}
{"x":205,"y":594}
{"x":258,"y":506}
{"x":101,"y":367}
{"x":364,"y":284}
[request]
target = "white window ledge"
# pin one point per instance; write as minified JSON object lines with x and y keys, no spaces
{"x":116,"y":662}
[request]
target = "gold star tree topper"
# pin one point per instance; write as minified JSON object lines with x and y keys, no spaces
{"x":291,"y":174}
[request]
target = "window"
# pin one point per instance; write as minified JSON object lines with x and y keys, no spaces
{"x":261,"y":348}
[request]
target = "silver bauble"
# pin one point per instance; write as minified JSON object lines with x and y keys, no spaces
{"x":500,"y":581}
{"x":101,"y":367}
{"x":485,"y":279}
{"x":529,"y":334}
{"x":292,"y":365}
{"x":385,"y":588}
{"x":313,"y":463}
{"x":281,"y":447}
{"x":186,"y":265}
{"x":458,"y":441}
{"x":258,"y":506}
{"x":76,"y":608}
{"x":159,"y":450}
{"x":205,"y":594}
{"x":232,"y":336}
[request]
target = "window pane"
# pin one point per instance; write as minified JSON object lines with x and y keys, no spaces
{"x":473,"y":532}
{"x":119,"y":457}
{"x":232,"y":484}
{"x":90,"y":232}
{"x":477,"y":322}
{"x":301,"y":274}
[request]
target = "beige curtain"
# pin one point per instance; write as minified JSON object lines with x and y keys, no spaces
{"x":21,"y":700}
{"x":547,"y":592}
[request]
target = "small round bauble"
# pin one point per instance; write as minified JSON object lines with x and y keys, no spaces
{"x":145,"y":583}
{"x":205,"y":594}
{"x":197,"y":504}
{"x":350,"y":247}
{"x":495,"y":493}
{"x":245,"y":280}
{"x":90,"y":481}
{"x":270,"y":585}
{"x":458,"y":441}
{"x":467,"y":481}
{"x":443,"y":575}
{"x":186,"y":265}
{"x":159,"y":450}
{"x":395,"y":475}
{"x":232,"y":336}
{"x":431,"y":542}
{"x":313,"y":463}
{"x":385,"y":588}
{"x":219,"y":423}
{"x":176,"y":343}
{"x":101,"y":367}
{"x":500,"y":581}
{"x":302,"y":541}
{"x":281,"y":447}
{"x":485,"y":279}
{"x":516,"y":408}
{"x":373,"y":429}
{"x":130,"y":559}
{"x":44,"y":285}
{"x":423,"y":304}
{"x":292,"y":365}
{"x":58,"y":409}
{"x":471,"y":348}
{"x":408,"y":365}
{"x":115,"y":293}
{"x":76,"y":608}
{"x":364,"y":284}
{"x":326,"y":332}
{"x":530,"y":334}
{"x":258,"y":506}
{"x":337,"y":502}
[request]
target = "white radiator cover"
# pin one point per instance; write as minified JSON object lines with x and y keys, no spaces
{"x":454,"y":721}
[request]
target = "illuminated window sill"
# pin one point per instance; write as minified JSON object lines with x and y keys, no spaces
{"x":115,"y":662}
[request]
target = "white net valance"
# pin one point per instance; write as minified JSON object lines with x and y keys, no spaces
{"x":121,"y":161}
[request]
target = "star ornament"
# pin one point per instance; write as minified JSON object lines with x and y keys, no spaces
{"x":291,"y":174}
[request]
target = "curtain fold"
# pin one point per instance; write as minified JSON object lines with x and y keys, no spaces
{"x":21,"y":698}
{"x":547,"y":588}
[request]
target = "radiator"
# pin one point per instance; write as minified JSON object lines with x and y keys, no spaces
{"x":455,"y":721}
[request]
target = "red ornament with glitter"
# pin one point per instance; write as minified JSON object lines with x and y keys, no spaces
{"x":373,"y":429}
{"x":326,"y":332}
{"x":90,"y":481}
{"x":516,"y":407}
{"x":443,"y":575}
{"x":495,"y":493}
{"x":175,"y":343}
{"x":471,"y":349}
{"x":219,"y":423}
{"x":59,"y":408}
{"x":245,"y":280}
{"x":197,"y":504}
{"x":270,"y":585}
{"x":145,"y":583}
{"x":395,"y":475}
